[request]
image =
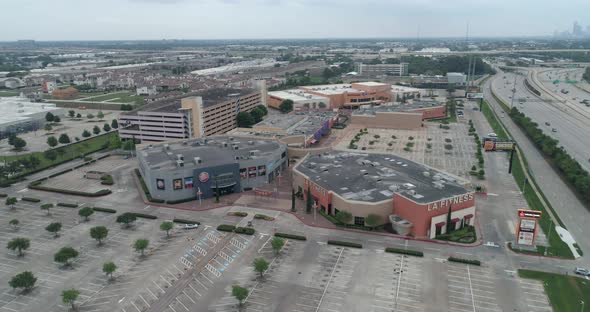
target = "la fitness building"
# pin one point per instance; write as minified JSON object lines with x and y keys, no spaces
{"x":416,"y":199}
{"x":186,"y":170}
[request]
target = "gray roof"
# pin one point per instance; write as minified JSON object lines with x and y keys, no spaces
{"x":375,"y":177}
{"x":210,"y":150}
{"x":306,"y":122}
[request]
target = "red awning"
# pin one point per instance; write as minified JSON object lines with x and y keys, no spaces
{"x":440,"y":224}
{"x":455,"y":220}
{"x":469,"y":216}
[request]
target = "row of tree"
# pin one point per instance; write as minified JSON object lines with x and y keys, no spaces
{"x":248,"y":119}
{"x":586,"y":75}
{"x":567,"y":165}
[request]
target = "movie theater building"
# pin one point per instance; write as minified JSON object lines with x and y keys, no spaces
{"x":184,"y":170}
{"x":416,"y":199}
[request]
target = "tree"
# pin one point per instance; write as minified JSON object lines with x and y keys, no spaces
{"x":286,"y":106}
{"x":19,"y":244}
{"x":257,"y":115}
{"x":166,"y":226}
{"x":54,"y":228}
{"x":99,"y":233}
{"x":140,"y":245}
{"x":126,"y":218}
{"x":96,"y":130}
{"x":24,"y":280}
{"x":70,"y":296}
{"x":240,"y":293}
{"x":34,"y":161}
{"x":86,"y":133}
{"x":100,"y":115}
{"x":71,"y":113}
{"x":322,"y":105}
{"x":50,"y":154}
{"x":78,"y":115}
{"x":343,"y":216}
{"x":89,"y":116}
{"x":277,"y":244}
{"x":449,"y":219}
{"x":14,"y":223}
{"x":263,"y":109}
{"x":47,"y":127}
{"x":372,"y":220}
{"x":46,"y":207}
{"x":293,"y":200}
{"x":260,"y":266}
{"x":309,"y":201}
{"x":49,"y":117}
{"x":52,"y":141}
{"x":64,"y":139}
{"x":19,"y":143}
{"x":64,"y":255}
{"x":109,"y":268}
{"x":56,"y":119}
{"x":106,"y":127}
{"x":85,"y":212}
{"x":10,"y":201}
{"x":245,"y":120}
{"x":114,"y":124}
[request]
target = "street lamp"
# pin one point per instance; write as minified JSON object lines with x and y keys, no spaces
{"x":582,"y":302}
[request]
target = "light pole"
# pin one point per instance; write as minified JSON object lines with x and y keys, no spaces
{"x":549,"y":236}
{"x":582,"y":302}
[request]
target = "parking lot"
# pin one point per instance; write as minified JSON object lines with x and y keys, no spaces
{"x":471,"y":288}
{"x":535,"y":296}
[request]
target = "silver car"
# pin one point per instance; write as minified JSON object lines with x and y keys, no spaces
{"x":582,"y":271}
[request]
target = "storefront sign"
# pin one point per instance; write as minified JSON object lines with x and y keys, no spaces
{"x":160,"y":184}
{"x":445,"y":203}
{"x":177,"y":184}
{"x":188,"y":182}
{"x":529,"y":213}
{"x":315,"y":187}
{"x":203,"y":177}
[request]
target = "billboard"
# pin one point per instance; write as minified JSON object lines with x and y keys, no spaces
{"x":177,"y":184}
{"x":252,"y":172}
{"x":189,"y":182}
{"x":160,"y":184}
{"x":526,"y":238}
{"x":243,"y":173}
{"x":474,"y":95}
{"x":529,"y":213}
{"x":495,"y":144}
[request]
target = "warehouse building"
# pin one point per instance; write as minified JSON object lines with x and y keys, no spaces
{"x":301,"y":99}
{"x":416,"y":199}
{"x":21,"y":115}
{"x":398,"y":116}
{"x":189,"y":169}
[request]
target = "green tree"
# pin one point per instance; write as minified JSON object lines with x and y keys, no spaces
{"x":25,"y":280}
{"x":322,"y":105}
{"x":293,"y":200}
{"x":64,"y":255}
{"x":70,"y":296}
{"x":286,"y":106}
{"x":50,"y":155}
{"x":49,"y":117}
{"x":10,"y":201}
{"x":277,"y":244}
{"x":449,"y":220}
{"x":245,"y":120}
{"x":56,"y":119}
{"x":96,"y":130}
{"x":166,"y":226}
{"x":54,"y":228}
{"x":257,"y":115}
{"x":19,"y":244}
{"x":14,"y":223}
{"x":78,"y":115}
{"x":46,"y":207}
{"x":86,"y":133}
{"x":309,"y":200}
{"x":19,"y":143}
{"x":52,"y":141}
{"x":263,"y":109}
{"x":47,"y":127}
{"x":100,"y":115}
{"x":240,"y":293}
{"x":71,"y":113}
{"x":106,"y":127}
{"x":89,"y":116}
{"x":126,"y":219}
{"x":343,"y":216}
{"x":99,"y":233}
{"x":372,"y":220}
{"x":85,"y":212}
{"x":140,"y":245}
{"x":64,"y":139}
{"x":260,"y":265}
{"x":114,"y":124}
{"x":109,"y":268}
{"x":34,"y":161}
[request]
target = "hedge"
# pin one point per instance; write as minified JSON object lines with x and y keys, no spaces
{"x":291,"y":236}
{"x":243,"y":230}
{"x":466,"y":261}
{"x":67,"y":205}
{"x":35,"y":186}
{"x":3,"y":195}
{"x":107,"y":210}
{"x":143,"y":215}
{"x":263,"y":217}
{"x":345,"y":244}
{"x":107,"y":180}
{"x":185,"y":221}
{"x":237,"y":214}
{"x":31,"y":199}
{"x":405,"y":251}
{"x":226,"y":228}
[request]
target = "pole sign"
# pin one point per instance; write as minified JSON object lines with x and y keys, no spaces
{"x":474,"y":95}
{"x":527,"y":226}
{"x":495,"y":144}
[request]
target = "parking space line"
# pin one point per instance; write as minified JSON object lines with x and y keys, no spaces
{"x":182,"y":304}
{"x":189,"y":297}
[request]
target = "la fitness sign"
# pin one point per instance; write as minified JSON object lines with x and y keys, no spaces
{"x":445,"y":203}
{"x":315,"y":187}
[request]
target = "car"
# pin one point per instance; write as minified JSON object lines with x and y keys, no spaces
{"x":190,"y":226}
{"x":491,"y":244}
{"x":582,"y":271}
{"x":492,"y":135}
{"x":553,"y":130}
{"x":547,"y":123}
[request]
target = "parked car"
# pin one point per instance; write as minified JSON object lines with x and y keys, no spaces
{"x":492,"y":135}
{"x":190,"y":226}
{"x":554,"y":130}
{"x":582,"y":271}
{"x":547,"y":123}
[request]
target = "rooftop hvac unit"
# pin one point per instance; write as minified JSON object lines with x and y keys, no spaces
{"x":251,"y":142}
{"x":179,"y":163}
{"x":231,"y":138}
{"x":179,"y":157}
{"x":237,"y":157}
{"x":224,"y":144}
{"x":236,"y":147}
{"x":252,"y":153}
{"x":411,"y":192}
{"x":409,"y":186}
{"x":426,"y":173}
{"x":197,"y":160}
{"x":166,"y":146}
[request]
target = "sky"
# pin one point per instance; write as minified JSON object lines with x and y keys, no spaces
{"x":45,"y":20}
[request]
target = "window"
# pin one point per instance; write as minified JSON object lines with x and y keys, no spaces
{"x":359,"y":221}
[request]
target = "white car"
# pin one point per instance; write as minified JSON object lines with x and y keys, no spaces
{"x":491,"y":244}
{"x":582,"y":271}
{"x":492,"y":135}
{"x":190,"y":226}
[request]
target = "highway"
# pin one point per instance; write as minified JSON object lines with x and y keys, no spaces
{"x":571,"y":129}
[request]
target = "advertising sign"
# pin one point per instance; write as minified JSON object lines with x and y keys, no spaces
{"x":177,"y":184}
{"x":529,"y":213}
{"x":495,"y":144}
{"x":527,"y":226}
{"x":203,"y":177}
{"x":252,"y":172}
{"x":160,"y":184}
{"x":243,"y":173}
{"x":474,"y":95}
{"x":526,"y":238}
{"x":189,"y":182}
{"x":261,"y":170}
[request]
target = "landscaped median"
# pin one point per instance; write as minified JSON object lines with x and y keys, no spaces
{"x":291,"y":236}
{"x":404,"y":251}
{"x":466,"y":261}
{"x":234,"y":229}
{"x":345,"y":244}
{"x":565,"y":292}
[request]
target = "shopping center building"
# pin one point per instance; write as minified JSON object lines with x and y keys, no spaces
{"x":416,"y":199}
{"x":188,"y":169}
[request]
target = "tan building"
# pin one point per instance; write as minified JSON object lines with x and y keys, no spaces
{"x":352,"y":95}
{"x":398,"y":116}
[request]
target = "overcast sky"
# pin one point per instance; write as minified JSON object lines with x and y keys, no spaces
{"x":229,"y":19}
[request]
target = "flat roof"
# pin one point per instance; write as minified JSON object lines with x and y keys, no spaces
{"x":395,"y":107}
{"x":296,"y":95}
{"x":371,"y":84}
{"x":19,"y":109}
{"x":305,"y":122}
{"x":331,"y":89}
{"x":210,"y":150}
{"x":376,"y":177}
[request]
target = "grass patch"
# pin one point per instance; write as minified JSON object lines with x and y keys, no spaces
{"x":564,"y":291}
{"x":263,"y":217}
{"x":493,"y":121}
{"x":466,"y":235}
{"x":245,"y":230}
{"x":67,"y":205}
{"x":31,"y":199}
{"x":226,"y":228}
{"x":405,"y":251}
{"x":237,"y":214}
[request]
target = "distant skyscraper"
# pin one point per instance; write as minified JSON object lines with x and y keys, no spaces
{"x":577,"y":29}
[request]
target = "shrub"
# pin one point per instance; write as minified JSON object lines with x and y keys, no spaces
{"x":291,"y":236}
{"x":345,"y":244}
{"x":428,"y":145}
{"x":448,"y":140}
{"x":393,"y":137}
{"x":67,"y":205}
{"x":177,"y":201}
{"x":245,"y":230}
{"x":410,"y":144}
{"x":376,"y":136}
{"x":143,"y":215}
{"x":237,"y":214}
{"x":185,"y":221}
{"x":263,"y":217}
{"x":3,"y":195}
{"x":405,"y":252}
{"x":407,"y":149}
{"x":107,"y":180}
{"x":107,"y":210}
{"x":226,"y":228}
{"x":411,"y":138}
{"x":466,"y":261}
{"x":31,"y":199}
{"x":87,"y":158}
{"x":448,"y":147}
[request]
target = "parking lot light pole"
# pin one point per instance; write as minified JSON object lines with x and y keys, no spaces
{"x":549,"y":235}
{"x":582,"y":302}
